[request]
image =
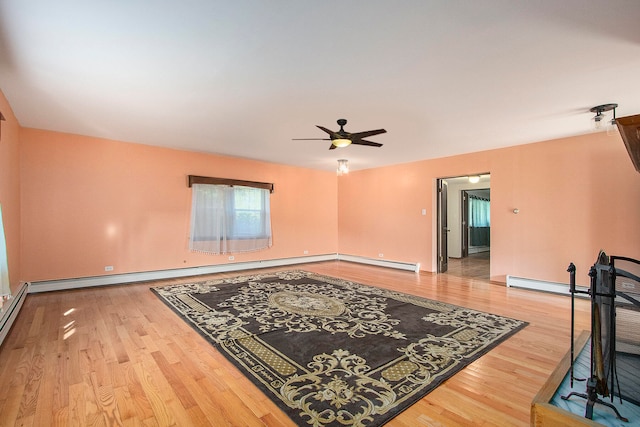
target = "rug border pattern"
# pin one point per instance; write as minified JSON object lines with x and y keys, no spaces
{"x":270,"y":381}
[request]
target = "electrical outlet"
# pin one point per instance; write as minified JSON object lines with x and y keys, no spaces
{"x":380,"y":255}
{"x":108,"y":268}
{"x":231,"y":258}
{"x":306,"y":252}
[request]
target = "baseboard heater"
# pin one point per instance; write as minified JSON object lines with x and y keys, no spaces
{"x":541,"y":285}
{"x":415,"y":267}
{"x":116,"y":279}
{"x":11,"y":308}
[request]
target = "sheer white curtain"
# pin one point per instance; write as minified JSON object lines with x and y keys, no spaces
{"x":227,"y":219}
{"x":5,"y":288}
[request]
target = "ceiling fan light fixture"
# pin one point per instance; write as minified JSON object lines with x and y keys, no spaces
{"x":341,"y":142}
{"x":612,"y":125}
{"x":599,"y":119}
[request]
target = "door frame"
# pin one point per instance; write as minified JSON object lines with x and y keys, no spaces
{"x":442,"y":256}
{"x":437,"y":229}
{"x":464,"y":224}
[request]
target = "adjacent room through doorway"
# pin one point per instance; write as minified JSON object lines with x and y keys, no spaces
{"x":464,"y":225}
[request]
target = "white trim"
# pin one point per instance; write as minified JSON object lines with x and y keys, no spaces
{"x":11,"y":312}
{"x":415,"y":267}
{"x":541,"y":285}
{"x":478,"y":249}
{"x":115,"y":279}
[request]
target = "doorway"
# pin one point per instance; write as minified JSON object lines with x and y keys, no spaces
{"x":443,"y":229}
{"x":463,"y":246}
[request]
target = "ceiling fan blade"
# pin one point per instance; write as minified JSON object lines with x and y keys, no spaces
{"x":363,"y":142}
{"x":311,"y":139}
{"x":332,"y":147}
{"x":330,"y":132}
{"x":359,"y":135}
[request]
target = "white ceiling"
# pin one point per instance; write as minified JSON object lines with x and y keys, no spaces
{"x":243,"y":78}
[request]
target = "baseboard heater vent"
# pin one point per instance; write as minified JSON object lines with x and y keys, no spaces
{"x":541,"y":285}
{"x":11,"y":309}
{"x":415,"y":267}
{"x":118,"y":279}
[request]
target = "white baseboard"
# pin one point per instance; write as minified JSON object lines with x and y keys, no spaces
{"x":415,"y":267}
{"x":115,"y":279}
{"x":11,"y":309}
{"x":541,"y":285}
{"x":478,"y":249}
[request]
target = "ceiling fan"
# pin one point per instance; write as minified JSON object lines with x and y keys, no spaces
{"x":343,"y":138}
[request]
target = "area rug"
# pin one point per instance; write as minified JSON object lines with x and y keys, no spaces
{"x":329,"y":351}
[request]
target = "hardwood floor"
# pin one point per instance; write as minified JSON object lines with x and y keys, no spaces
{"x":116,"y":355}
{"x":476,"y":266}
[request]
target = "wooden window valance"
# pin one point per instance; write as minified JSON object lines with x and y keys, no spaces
{"x":194,"y":179}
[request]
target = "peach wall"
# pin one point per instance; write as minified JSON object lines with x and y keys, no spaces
{"x":10,"y":188}
{"x":88,"y":203}
{"x":575,"y":196}
{"x":84,"y":203}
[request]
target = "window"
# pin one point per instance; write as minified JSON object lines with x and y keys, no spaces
{"x":248,"y":212}
{"x":479,"y":221}
{"x":480,"y":212}
{"x":227,"y":219}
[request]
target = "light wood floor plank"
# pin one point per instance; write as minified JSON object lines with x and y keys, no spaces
{"x":116,"y":355}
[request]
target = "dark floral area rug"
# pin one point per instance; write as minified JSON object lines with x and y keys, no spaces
{"x":333,"y":352}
